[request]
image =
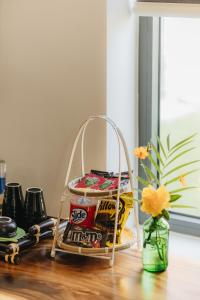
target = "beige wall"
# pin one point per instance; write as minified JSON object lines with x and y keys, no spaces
{"x":52,"y":76}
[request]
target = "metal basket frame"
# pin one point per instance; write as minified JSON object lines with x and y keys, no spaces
{"x":121,"y":143}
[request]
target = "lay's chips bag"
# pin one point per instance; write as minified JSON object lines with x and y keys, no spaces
{"x":105,"y":218}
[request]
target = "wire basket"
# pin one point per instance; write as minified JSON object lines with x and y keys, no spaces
{"x":127,"y":238}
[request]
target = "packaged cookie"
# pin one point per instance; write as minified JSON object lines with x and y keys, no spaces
{"x":105,"y":218}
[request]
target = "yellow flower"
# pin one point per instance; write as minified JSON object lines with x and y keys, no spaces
{"x":141,"y":152}
{"x":182,"y":180}
{"x":154,"y":201}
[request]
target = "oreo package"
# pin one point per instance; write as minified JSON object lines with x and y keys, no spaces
{"x":84,"y":237}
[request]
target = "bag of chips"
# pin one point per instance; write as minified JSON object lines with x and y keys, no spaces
{"x":105,"y":218}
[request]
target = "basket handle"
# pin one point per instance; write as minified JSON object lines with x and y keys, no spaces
{"x":82,"y":132}
{"x":121,"y":139}
{"x":108,"y":120}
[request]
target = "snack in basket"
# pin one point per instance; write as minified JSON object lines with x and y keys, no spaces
{"x":82,"y":211}
{"x":84,"y":237}
{"x":105,"y":218}
{"x":105,"y":174}
{"x":94,"y":182}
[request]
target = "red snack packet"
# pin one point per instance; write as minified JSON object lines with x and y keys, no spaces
{"x":97,"y":182}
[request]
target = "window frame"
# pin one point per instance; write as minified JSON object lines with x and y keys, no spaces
{"x":149,"y":106}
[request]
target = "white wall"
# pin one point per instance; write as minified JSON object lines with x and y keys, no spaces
{"x":122,"y":48}
{"x":52,"y":76}
{"x":122,"y":98}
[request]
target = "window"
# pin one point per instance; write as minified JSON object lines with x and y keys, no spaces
{"x":180,"y":94}
{"x":169,"y":96}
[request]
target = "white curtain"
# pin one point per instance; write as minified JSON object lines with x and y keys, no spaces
{"x":168,"y":8}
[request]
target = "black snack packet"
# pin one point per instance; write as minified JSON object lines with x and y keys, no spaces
{"x":103,"y":173}
{"x":84,"y":237}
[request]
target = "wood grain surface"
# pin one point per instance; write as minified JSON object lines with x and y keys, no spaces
{"x":75,"y":278}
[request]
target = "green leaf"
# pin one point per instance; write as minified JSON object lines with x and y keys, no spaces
{"x":183,"y":141}
{"x":181,"y":206}
{"x":183,"y":189}
{"x":180,"y":166}
{"x":177,"y":177}
{"x":174,"y":198}
{"x":179,"y":147}
{"x":155,"y":164}
{"x":179,"y":155}
{"x":145,"y":171}
{"x":157,"y":154}
{"x":150,"y":173}
{"x":142,"y":181}
{"x":168,"y":142}
{"x":161,"y":147}
{"x":166,"y":214}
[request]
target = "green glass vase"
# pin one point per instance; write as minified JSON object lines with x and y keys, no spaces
{"x":155,"y":244}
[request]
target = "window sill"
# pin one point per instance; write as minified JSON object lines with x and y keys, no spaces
{"x":184,"y":246}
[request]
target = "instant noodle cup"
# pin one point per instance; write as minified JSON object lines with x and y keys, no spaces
{"x":82,"y":211}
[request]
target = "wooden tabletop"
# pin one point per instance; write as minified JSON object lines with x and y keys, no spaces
{"x":72,"y":277}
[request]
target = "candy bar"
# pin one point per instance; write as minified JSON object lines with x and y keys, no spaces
{"x":84,"y":237}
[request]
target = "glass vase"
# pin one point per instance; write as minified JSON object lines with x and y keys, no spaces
{"x":155,"y":244}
